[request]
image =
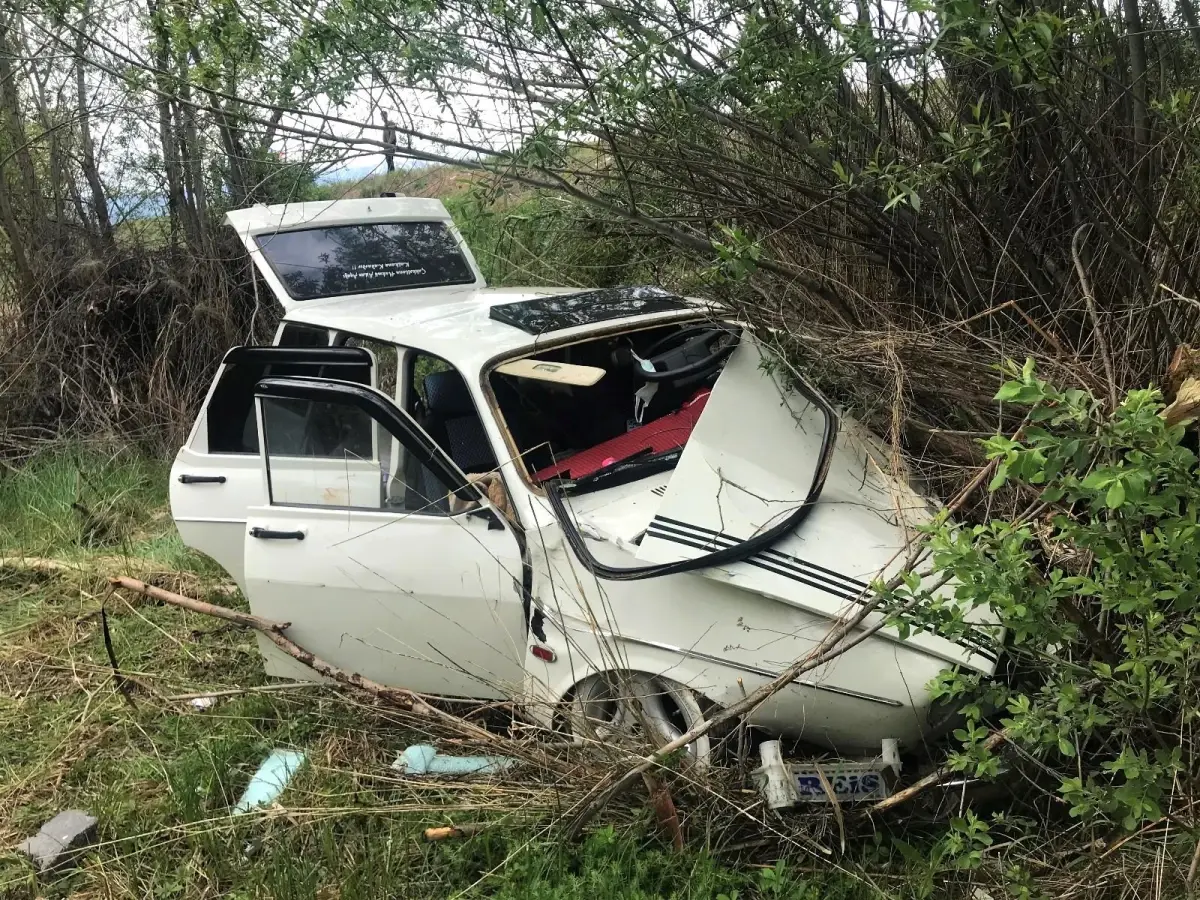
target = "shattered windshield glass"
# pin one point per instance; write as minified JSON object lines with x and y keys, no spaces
{"x":360,"y":259}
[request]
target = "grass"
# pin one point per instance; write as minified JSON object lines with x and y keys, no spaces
{"x":162,"y":776}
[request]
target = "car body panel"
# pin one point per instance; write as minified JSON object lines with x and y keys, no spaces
{"x":751,"y":462}
{"x":210,"y":492}
{"x":428,"y":603}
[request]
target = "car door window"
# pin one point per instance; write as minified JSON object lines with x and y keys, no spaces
{"x":294,"y":334}
{"x":229,"y":414}
{"x":344,"y":459}
{"x":387,"y":361}
{"x":441,"y":402}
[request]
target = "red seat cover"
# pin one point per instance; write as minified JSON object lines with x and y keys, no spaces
{"x":667,"y":433}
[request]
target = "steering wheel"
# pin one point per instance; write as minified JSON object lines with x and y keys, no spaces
{"x":696,"y":350}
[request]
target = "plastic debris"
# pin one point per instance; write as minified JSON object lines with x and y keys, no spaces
{"x":270,"y":779}
{"x":424,"y":759}
{"x":202,"y":702}
{"x":778,"y":786}
{"x":442,"y":832}
{"x":58,"y":841}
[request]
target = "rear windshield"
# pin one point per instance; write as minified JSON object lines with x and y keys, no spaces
{"x":360,"y":259}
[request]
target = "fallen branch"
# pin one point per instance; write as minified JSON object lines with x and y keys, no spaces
{"x":665,"y":813}
{"x":994,"y":740}
{"x":234,"y":692}
{"x":92,"y":567}
{"x":401,"y":697}
{"x":247,"y":620}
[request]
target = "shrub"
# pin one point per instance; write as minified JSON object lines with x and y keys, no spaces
{"x":1096,"y":589}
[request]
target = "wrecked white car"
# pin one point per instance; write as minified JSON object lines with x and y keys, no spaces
{"x":518,"y":493}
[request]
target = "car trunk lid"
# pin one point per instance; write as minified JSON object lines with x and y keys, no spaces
{"x":317,"y":252}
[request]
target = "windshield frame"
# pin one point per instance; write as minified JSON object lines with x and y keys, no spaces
{"x":654,"y":320}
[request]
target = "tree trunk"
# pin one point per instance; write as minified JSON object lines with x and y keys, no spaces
{"x":193,"y":158}
{"x":1140,"y":113}
{"x":1193,"y":24}
{"x":17,"y":137}
{"x":176,"y":204}
{"x":14,"y":236}
{"x":87,"y":150}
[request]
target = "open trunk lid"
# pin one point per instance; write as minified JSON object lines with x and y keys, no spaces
{"x":313,"y":253}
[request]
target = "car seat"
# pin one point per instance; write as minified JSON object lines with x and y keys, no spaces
{"x":453,"y":421}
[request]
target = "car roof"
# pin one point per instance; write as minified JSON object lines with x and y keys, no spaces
{"x":455,"y":324}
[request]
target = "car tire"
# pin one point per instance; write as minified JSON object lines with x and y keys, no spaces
{"x":611,"y":706}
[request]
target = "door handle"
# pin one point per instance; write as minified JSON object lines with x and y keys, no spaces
{"x":201,"y":479}
{"x":268,"y":534}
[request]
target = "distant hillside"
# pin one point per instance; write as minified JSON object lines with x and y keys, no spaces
{"x":438,"y":181}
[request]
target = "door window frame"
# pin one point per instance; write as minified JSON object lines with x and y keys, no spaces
{"x":383,"y":412}
{"x":270,"y":354}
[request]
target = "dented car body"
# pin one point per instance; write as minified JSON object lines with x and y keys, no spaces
{"x":513,"y":493}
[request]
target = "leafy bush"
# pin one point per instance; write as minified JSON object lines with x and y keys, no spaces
{"x":1096,"y":589}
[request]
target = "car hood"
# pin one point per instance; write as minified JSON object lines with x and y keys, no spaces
{"x":753,"y":460}
{"x":756,"y":455}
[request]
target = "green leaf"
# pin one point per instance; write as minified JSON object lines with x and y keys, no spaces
{"x":1010,"y":390}
{"x":1116,"y":495}
{"x":999,"y":478}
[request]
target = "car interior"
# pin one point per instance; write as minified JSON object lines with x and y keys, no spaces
{"x":644,"y":406}
{"x":575,"y":412}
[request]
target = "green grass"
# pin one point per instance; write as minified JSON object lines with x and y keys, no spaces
{"x":76,"y":501}
{"x":162,"y":776}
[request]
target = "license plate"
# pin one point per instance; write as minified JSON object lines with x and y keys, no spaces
{"x":849,"y":784}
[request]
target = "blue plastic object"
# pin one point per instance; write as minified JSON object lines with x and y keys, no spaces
{"x":423,"y":759}
{"x":270,"y":779}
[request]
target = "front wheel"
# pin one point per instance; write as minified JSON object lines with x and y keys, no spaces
{"x":615,"y":705}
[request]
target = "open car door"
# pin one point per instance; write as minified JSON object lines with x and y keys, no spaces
{"x":361,"y":546}
{"x":216,"y":476}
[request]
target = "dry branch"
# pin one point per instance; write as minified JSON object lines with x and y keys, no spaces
{"x":401,"y":697}
{"x":266,"y":626}
{"x":933,"y":779}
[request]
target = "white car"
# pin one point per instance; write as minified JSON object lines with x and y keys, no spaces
{"x":665,"y":503}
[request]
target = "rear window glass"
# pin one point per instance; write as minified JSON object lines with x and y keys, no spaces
{"x":360,"y":259}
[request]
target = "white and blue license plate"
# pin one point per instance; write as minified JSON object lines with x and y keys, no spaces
{"x":850,"y":784}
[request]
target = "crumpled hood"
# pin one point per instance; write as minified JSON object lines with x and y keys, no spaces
{"x":751,"y":462}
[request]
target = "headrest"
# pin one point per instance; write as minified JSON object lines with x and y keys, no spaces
{"x":446,"y":394}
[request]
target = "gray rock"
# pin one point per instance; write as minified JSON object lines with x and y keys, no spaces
{"x":59,"y":839}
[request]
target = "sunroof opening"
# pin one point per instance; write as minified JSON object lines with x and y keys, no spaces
{"x":555,"y":313}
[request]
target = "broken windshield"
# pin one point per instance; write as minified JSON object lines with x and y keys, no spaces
{"x":361,"y":259}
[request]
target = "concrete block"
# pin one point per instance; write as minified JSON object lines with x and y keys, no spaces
{"x":58,"y":840}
